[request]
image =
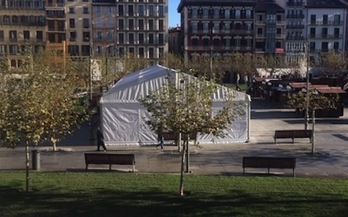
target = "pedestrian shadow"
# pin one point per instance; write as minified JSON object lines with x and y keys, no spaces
{"x":340,"y":136}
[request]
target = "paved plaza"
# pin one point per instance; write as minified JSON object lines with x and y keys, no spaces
{"x":331,"y":139}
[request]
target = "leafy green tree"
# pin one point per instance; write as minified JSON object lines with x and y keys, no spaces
{"x":332,"y":64}
{"x":186,"y":107}
{"x":312,"y":101}
{"x":39,"y":105}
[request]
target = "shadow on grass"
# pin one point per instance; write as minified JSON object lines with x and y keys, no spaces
{"x":153,"y":202}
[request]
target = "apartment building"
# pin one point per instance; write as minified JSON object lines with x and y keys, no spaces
{"x":78,"y":24}
{"x":217,"y":27}
{"x":326,"y":27}
{"x":84,"y":27}
{"x":269,"y":29}
{"x":22,"y":27}
{"x":174,"y":40}
{"x":314,"y":28}
{"x":283,"y":28}
{"x":135,"y":27}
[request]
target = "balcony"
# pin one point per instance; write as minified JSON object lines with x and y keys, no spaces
{"x":295,"y":38}
{"x":326,"y":23}
{"x":326,"y":36}
{"x":295,"y":16}
{"x":291,"y":26}
{"x":295,"y":4}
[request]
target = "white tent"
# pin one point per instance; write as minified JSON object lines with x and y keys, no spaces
{"x":123,"y":118}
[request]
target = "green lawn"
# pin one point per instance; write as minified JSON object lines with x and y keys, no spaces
{"x":126,"y":194}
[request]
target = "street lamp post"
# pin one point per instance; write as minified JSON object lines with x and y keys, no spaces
{"x":90,"y":74}
{"x":307,"y":85}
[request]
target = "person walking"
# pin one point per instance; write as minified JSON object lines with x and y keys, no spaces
{"x":100,"y":140}
{"x":160,"y":140}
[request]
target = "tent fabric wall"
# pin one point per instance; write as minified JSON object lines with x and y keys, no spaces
{"x":123,"y":118}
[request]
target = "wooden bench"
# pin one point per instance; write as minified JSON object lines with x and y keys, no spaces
{"x":292,"y":134}
{"x":110,"y":159}
{"x":270,"y":162}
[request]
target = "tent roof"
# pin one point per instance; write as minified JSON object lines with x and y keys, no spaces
{"x":139,"y":83}
{"x":140,"y":76}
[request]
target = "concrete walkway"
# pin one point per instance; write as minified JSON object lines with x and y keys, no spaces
{"x":224,"y":159}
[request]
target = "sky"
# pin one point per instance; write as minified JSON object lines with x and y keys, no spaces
{"x":174,"y":17}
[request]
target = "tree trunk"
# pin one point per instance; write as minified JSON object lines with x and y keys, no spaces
{"x":179,"y":143}
{"x":182,"y":168}
{"x":313,"y":134}
{"x":187,"y":154}
{"x":54,"y":141}
{"x":27,"y":179}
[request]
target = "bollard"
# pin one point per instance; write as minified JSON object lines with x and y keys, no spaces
{"x":35,"y":155}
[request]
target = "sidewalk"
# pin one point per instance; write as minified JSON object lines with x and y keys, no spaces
{"x":218,"y":159}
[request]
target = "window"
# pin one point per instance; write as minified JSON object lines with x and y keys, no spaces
{"x":85,"y":23}
{"x":216,"y":13}
{"x":120,"y":10}
{"x":131,"y":24}
{"x":337,"y":19}
{"x":313,"y":19}
{"x":130,"y":10}
{"x":195,"y":27}
{"x":71,"y":10}
{"x":13,"y":35}
{"x":160,"y":39}
{"x":227,"y":13}
{"x":161,"y":25}
{"x":141,"y":10}
{"x":72,"y":36}
{"x":85,"y":10}
{"x":324,"y":46}
{"x":86,"y":36}
{"x":325,"y":19}
{"x":131,"y":38}
{"x":248,"y":14}
{"x":121,"y":24}
{"x":151,"y":38}
{"x":141,"y":24}
{"x":237,"y":14}
{"x":26,"y":35}
{"x":194,"y":13}
{"x":120,"y":38}
{"x":13,"y":49}
{"x":141,"y":52}
{"x":161,"y":11}
{"x":71,"y":23}
{"x":206,"y":42}
{"x":195,"y":42}
{"x":1,"y":35}
{"x":337,"y":32}
{"x":151,"y":25}
{"x":205,"y":13}
{"x":151,"y":10}
{"x":110,"y":35}
{"x":336,"y":46}
{"x":99,"y":35}
{"x":141,"y":38}
{"x":2,"y":49}
{"x":312,"y":33}
{"x":324,"y":32}
{"x":151,"y":53}
{"x":39,"y":35}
